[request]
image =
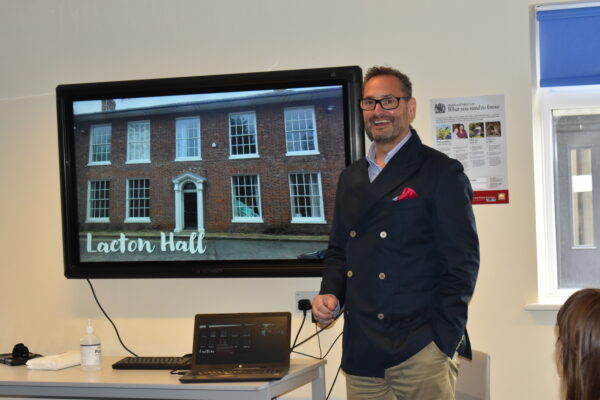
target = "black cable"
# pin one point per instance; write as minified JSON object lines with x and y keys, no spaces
{"x":316,"y":333}
{"x":310,"y":337}
{"x":177,"y":372}
{"x":319,"y":341}
{"x":326,"y":353}
{"x":331,"y":347}
{"x":306,"y":355}
{"x":322,"y":356}
{"x":333,"y":384}
{"x":110,"y":320}
{"x":299,"y":330}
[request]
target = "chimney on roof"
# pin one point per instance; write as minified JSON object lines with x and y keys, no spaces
{"x":108,"y":105}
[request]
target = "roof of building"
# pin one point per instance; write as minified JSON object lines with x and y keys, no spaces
{"x":243,"y":101}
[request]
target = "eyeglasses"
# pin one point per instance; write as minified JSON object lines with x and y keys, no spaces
{"x":387,"y":103}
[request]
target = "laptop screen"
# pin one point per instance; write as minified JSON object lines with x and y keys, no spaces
{"x":247,"y":338}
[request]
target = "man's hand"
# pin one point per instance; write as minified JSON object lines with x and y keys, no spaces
{"x":323,"y":307}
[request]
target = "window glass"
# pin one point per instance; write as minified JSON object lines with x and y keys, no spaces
{"x":138,"y":141}
{"x":188,"y":138}
{"x":242,"y":134}
{"x":577,"y":143}
{"x":246,"y":198}
{"x":100,"y":144}
{"x":582,"y":218}
{"x":300,"y":130}
{"x":138,"y":200}
{"x":98,"y":200}
{"x":306,"y":197}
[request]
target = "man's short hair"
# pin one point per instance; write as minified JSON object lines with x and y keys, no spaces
{"x":381,"y":70}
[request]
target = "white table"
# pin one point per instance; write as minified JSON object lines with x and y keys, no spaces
{"x":152,"y":384}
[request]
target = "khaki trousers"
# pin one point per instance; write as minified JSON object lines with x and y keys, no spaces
{"x":428,"y":375}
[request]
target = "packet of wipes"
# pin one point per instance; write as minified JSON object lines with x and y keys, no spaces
{"x":55,"y":362}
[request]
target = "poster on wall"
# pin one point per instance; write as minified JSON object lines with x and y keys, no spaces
{"x":473,"y":131}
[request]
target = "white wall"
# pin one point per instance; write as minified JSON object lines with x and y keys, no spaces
{"x":449,"y":48}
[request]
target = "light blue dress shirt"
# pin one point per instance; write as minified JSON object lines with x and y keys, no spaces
{"x":375,"y":169}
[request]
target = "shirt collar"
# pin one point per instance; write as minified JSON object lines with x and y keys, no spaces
{"x":371,"y":152}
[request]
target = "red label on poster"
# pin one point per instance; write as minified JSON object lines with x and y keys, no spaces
{"x":490,"y":196}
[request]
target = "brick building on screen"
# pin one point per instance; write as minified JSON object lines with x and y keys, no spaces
{"x":261,"y":163}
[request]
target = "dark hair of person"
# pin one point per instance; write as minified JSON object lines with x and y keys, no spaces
{"x":578,"y":345}
{"x":380,"y":70}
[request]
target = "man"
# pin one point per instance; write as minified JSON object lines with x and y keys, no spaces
{"x":403,"y":256}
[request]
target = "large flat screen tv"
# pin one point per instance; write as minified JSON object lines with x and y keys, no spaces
{"x":207,"y":176}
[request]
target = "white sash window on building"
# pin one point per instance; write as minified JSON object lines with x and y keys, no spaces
{"x":138,"y":200}
{"x":242,"y":135}
{"x":138,"y":142}
{"x":306,"y":197}
{"x":245,"y":190}
{"x":188,"y":139}
{"x":300,"y":131}
{"x":100,"y":144}
{"x":98,"y":201}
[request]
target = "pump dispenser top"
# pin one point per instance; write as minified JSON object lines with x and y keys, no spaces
{"x":89,"y":328}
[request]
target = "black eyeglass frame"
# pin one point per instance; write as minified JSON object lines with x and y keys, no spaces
{"x":381,"y":104}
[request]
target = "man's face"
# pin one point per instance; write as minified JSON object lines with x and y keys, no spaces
{"x":387,"y":126}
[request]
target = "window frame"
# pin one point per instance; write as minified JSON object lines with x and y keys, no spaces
{"x":240,"y":219}
{"x":89,"y":218}
{"x":307,"y":220}
{"x":91,"y":145}
{"x":255,"y":133}
{"x":547,"y":100}
{"x":128,"y":218}
{"x":197,"y":123}
{"x":315,"y":132}
{"x":146,"y":157}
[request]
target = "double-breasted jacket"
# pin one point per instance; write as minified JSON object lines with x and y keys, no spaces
{"x":403,"y":267}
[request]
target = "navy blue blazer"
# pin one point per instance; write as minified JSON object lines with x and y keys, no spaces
{"x":404,"y":270}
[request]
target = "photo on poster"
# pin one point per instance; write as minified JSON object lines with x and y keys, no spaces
{"x":492,"y":129}
{"x":476,"y":130}
{"x":459,"y":131}
{"x":443,"y":132}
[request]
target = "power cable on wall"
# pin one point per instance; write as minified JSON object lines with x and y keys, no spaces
{"x":110,"y":320}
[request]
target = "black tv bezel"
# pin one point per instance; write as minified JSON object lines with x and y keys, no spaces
{"x":350,"y":77}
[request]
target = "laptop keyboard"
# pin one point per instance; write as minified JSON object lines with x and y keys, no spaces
{"x":153,"y":363}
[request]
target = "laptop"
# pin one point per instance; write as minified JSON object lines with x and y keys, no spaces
{"x":240,"y":347}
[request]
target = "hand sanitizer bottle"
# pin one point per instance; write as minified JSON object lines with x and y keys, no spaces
{"x":89,"y":344}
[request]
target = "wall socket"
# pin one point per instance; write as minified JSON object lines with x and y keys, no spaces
{"x":303,"y":295}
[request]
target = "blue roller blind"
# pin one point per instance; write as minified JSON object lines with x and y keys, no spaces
{"x":569,"y":46}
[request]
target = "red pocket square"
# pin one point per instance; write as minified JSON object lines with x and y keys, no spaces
{"x":407,"y":193}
